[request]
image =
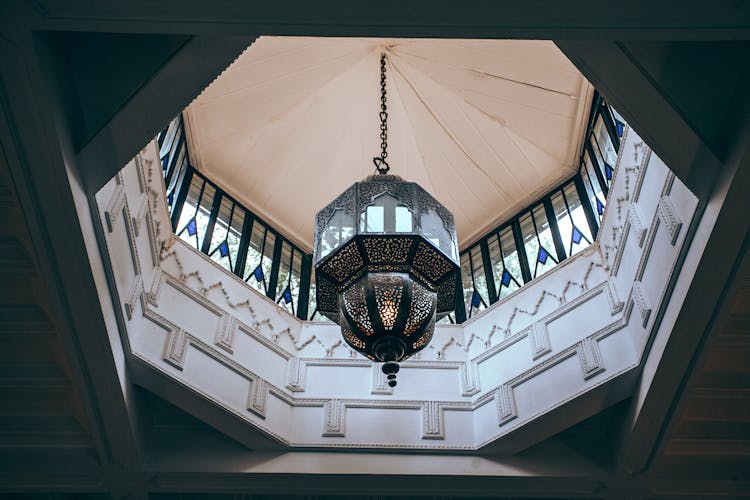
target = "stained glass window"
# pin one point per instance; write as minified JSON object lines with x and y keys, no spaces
{"x":506,"y":266}
{"x":259,"y":258}
{"x":196,"y":212}
{"x":225,"y":240}
{"x":290,"y":269}
{"x":571,"y":220}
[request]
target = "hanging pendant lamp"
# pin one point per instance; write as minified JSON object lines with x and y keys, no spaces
{"x":386,"y":261}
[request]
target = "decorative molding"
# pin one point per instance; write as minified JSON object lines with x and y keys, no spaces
{"x":380,"y":381}
{"x":257,"y":398}
{"x":296,"y":374}
{"x":506,"y":404}
{"x":114,"y":209}
{"x":636,"y":225}
{"x":539,"y":340}
{"x":613,"y":297}
{"x":134,"y":295}
{"x":641,"y":302}
{"x":176,"y":348}
{"x":140,"y":215}
{"x":334,"y":419}
{"x":432,"y":421}
{"x":470,"y":378}
{"x":140,"y":166}
{"x":669,"y":218}
{"x":225,"y":333}
{"x":642,"y":167}
{"x":590,"y":357}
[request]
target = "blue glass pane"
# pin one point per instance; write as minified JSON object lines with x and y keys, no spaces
{"x":287,"y":296}
{"x":164,"y":162}
{"x":258,"y":273}
{"x":542,"y":258}
{"x":576,"y":236}
{"x":170,"y":198}
{"x":506,"y":277}
{"x":607,"y":171}
{"x":191,"y":227}
{"x":476,"y":300}
{"x":620,"y":127}
{"x":599,"y":207}
{"x":224,"y":249}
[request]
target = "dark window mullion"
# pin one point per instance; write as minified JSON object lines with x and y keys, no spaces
{"x":598,"y":169}
{"x":303,"y":299}
{"x":609,"y":123}
{"x":521,"y":250}
{"x":206,"y":245}
{"x":460,"y":305}
{"x":588,"y":210}
{"x":275,"y":264}
{"x":182,"y":193}
{"x":489,"y":277}
{"x":556,"y":238}
{"x":247,"y":228}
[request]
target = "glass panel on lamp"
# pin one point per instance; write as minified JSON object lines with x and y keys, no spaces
{"x":403,"y":220}
{"x":506,"y":267}
{"x":434,"y":230}
{"x":340,"y":228}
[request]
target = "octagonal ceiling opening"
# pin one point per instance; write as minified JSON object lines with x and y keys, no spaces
{"x":486,"y":126}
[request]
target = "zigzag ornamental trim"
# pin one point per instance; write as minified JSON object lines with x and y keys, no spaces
{"x":257,"y":397}
{"x":636,"y":225}
{"x":641,"y":302}
{"x":135,"y":292}
{"x":334,"y":422}
{"x":432,"y":421}
{"x":539,"y":340}
{"x":296,"y":373}
{"x":176,"y":348}
{"x":380,"y":381}
{"x":225,"y":333}
{"x":114,"y":208}
{"x":506,"y":404}
{"x":140,"y":215}
{"x":590,"y":357}
{"x":470,"y":378}
{"x":616,"y":304}
{"x":669,"y":218}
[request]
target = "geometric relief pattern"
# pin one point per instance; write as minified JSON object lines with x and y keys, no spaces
{"x":668,"y":217}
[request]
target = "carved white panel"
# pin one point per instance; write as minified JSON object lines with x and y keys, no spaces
{"x":506,"y":404}
{"x":432,"y":421}
{"x":590,"y":357}
{"x":470,"y":378}
{"x":225,"y":333}
{"x":296,"y":372}
{"x":176,"y":348}
{"x":670,"y":220}
{"x":641,"y":302}
{"x":113,"y":212}
{"x":539,"y":340}
{"x":134,"y":295}
{"x":380,"y":381}
{"x":140,"y":215}
{"x":636,"y":225}
{"x":334,"y":424}
{"x":257,"y":398}
{"x":613,"y":297}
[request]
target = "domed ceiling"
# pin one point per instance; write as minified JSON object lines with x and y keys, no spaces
{"x":486,"y":126}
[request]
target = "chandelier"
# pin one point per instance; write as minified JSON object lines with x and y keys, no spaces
{"x":385,"y":262}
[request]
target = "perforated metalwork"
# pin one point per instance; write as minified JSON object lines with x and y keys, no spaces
{"x":374,"y":186}
{"x":446,"y":300}
{"x":422,"y":306}
{"x":327,"y":299}
{"x":349,"y":336}
{"x":425,"y":339}
{"x":387,"y":249}
{"x":388,"y":292}
{"x":430,"y":262}
{"x":344,"y":262}
{"x":356,"y":308}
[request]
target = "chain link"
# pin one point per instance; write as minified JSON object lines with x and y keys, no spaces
{"x":381,"y":165}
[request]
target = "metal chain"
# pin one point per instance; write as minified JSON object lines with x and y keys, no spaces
{"x":381,"y":165}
